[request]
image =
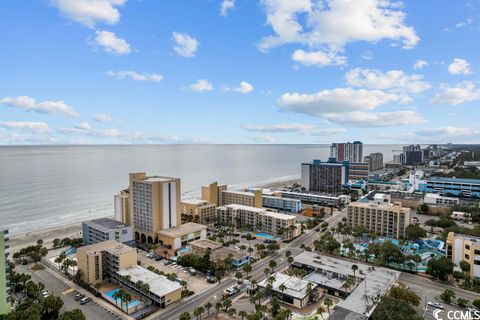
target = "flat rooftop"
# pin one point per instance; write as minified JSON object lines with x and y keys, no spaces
{"x":239,"y":192}
{"x":182,"y":230}
{"x":195,"y":202}
{"x":224,"y":252}
{"x":105,"y":224}
{"x":453,"y":180}
{"x":281,"y":216}
{"x":158,"y":179}
{"x":159,"y":285}
{"x":246,"y":208}
{"x":373,"y":280}
{"x":206,"y":244}
{"x":109,"y":246}
{"x":295,"y":287}
{"x":310,"y":195}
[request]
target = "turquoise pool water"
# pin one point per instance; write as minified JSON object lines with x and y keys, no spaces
{"x":265,"y":235}
{"x":70,"y":251}
{"x":130,"y":305}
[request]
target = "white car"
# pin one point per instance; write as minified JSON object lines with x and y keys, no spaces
{"x":435,"y":305}
{"x":45,"y":293}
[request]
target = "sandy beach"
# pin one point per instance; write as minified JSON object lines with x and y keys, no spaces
{"x":22,"y":240}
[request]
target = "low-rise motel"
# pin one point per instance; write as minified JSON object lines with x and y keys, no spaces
{"x":112,"y":261}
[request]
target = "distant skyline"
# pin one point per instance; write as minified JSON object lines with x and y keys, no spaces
{"x":239,"y":71}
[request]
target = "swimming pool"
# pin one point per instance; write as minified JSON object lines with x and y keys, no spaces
{"x":70,"y":251}
{"x":265,"y":235}
{"x":117,"y":301}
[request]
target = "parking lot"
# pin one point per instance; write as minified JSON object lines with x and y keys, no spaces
{"x":196,"y":283}
{"x":91,"y":310}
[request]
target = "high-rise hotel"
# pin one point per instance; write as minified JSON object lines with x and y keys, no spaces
{"x":352,"y":152}
{"x":4,"y":273}
{"x":151,"y":204}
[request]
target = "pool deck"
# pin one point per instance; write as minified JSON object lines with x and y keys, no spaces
{"x":108,"y":287}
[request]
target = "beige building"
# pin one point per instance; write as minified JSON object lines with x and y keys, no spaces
{"x":99,"y":261}
{"x":198,"y":211}
{"x":219,"y":195}
{"x":247,"y":217}
{"x":172,"y":239}
{"x":150,"y":204}
{"x":461,"y":247}
{"x":219,"y":253}
{"x":386,"y":219}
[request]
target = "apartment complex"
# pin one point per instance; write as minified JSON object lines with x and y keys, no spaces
{"x":213,"y":193}
{"x":4,"y":273}
{"x":173,"y":239}
{"x":150,"y":204}
{"x":352,"y":152}
{"x":375,"y":161}
{"x":104,"y":229}
{"x":326,"y":177}
{"x":318,"y":199}
{"x":114,"y":261}
{"x":358,"y":170}
{"x":461,"y":247}
{"x":385,"y":219}
{"x":219,"y":195}
{"x":245,"y":217}
{"x":199,"y":211}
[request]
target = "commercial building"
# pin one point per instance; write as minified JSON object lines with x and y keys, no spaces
{"x":150,"y":204}
{"x":104,"y":229}
{"x":358,"y":170}
{"x":290,"y":290}
{"x":385,"y":219}
{"x":330,"y":273}
{"x":375,"y":161}
{"x":198,"y":211}
{"x":461,"y":247}
{"x":413,"y":154}
{"x":467,"y":188}
{"x":245,"y":217}
{"x":173,"y":239}
{"x":436,"y":199}
{"x":219,"y":195}
{"x":280,"y":203}
{"x":352,"y":152}
{"x":326,"y":177}
{"x":317,"y":199}
{"x":461,"y":216}
{"x":4,"y":274}
{"x":218,"y":252}
{"x":114,"y":261}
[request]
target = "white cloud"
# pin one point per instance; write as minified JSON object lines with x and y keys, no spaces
{"x":420,"y":64}
{"x":110,"y":43}
{"x":457,"y":134}
{"x":458,"y":94}
{"x":394,"y":80}
{"x":201,"y":85}
{"x":331,"y":24}
{"x":49,"y":107}
{"x":243,"y":88}
{"x":459,"y":66}
{"x":185,"y":45}
{"x":226,"y":6}
{"x":306,"y":129}
{"x":135,"y":76}
{"x":318,"y":58}
{"x":102,"y":117}
{"x":367,"y":55}
{"x":83,"y":126}
{"x":35,"y":127}
{"x":351,"y":106}
{"x":90,"y":12}
{"x":263,"y":139}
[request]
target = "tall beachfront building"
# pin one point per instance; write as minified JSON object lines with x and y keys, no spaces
{"x":375,"y":161}
{"x":461,"y":247}
{"x":385,"y":219}
{"x":4,"y":273}
{"x":326,"y":177}
{"x":348,"y":151}
{"x":150,"y":204}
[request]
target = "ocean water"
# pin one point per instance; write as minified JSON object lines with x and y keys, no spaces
{"x":47,"y":186}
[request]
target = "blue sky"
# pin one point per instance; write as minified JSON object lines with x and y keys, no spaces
{"x":267,"y":71}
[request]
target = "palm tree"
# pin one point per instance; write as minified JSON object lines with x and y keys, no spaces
{"x":328,"y":303}
{"x":198,"y":312}
{"x":320,"y":311}
{"x":118,"y":296}
{"x":218,"y":306}
{"x":127,"y":299}
{"x":208,"y":306}
{"x":242,"y":314}
{"x":354,"y":269}
{"x":272,"y":264}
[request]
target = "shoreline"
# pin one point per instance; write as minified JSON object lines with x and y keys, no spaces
{"x":73,"y":230}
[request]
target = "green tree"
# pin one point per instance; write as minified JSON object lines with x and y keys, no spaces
{"x":75,"y":314}
{"x":328,"y":303}
{"x":185,"y":316}
{"x":440,"y":268}
{"x":414,"y":232}
{"x":404,"y":294}
{"x":393,"y":309}
{"x":476,"y":303}
{"x":51,"y":307}
{"x":447,"y":295}
{"x":462,"y":303}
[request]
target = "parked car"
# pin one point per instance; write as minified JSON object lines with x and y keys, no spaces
{"x":79,"y":296}
{"x":45,"y":293}
{"x":85,"y":300}
{"x":192,"y":271}
{"x":158,"y":258}
{"x":317,"y":229}
{"x":435,"y":305}
{"x":231,"y":291}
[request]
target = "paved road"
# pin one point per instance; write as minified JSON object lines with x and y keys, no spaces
{"x":429,"y":290}
{"x":187,"y":305}
{"x":91,"y":310}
